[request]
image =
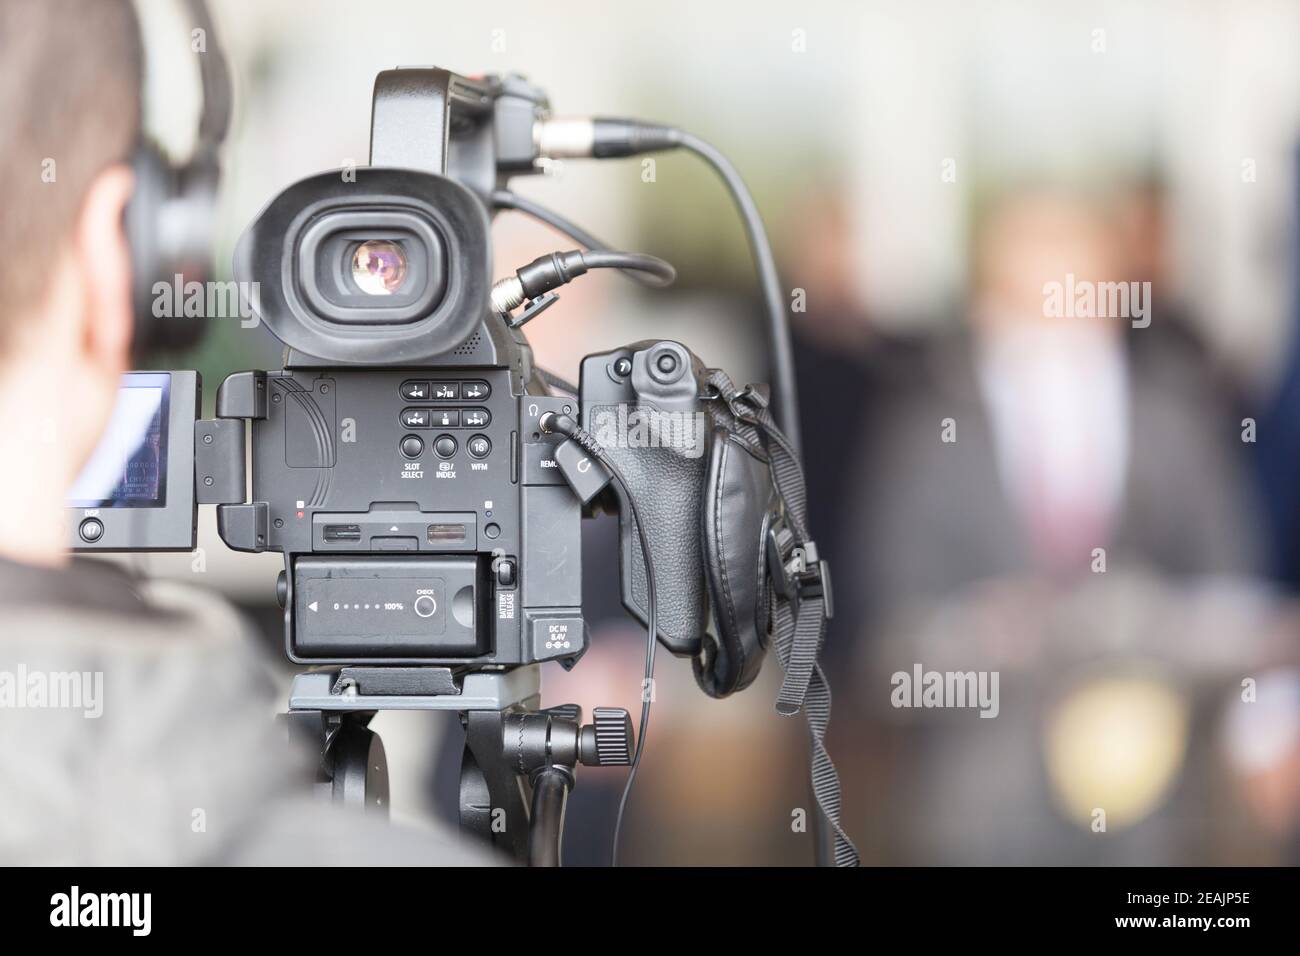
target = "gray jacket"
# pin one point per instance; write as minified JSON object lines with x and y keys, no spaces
{"x":137,"y":727}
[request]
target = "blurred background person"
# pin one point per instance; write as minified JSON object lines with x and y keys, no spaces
{"x":1046,"y":495}
{"x":1024,"y":441}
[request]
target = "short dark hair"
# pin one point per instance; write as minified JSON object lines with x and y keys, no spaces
{"x":70,"y":106}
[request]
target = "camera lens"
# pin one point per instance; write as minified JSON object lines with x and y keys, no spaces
{"x":379,"y":267}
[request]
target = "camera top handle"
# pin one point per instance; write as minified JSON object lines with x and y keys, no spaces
{"x":475,"y":131}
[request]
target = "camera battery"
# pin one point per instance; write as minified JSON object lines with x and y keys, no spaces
{"x":388,"y":607}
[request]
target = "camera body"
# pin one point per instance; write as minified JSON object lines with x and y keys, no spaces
{"x":397,"y":461}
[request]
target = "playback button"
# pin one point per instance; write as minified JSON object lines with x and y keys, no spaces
{"x":415,"y":418}
{"x":446,"y":417}
{"x":475,"y":418}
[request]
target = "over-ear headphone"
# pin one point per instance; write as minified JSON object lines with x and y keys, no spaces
{"x":171,"y":214}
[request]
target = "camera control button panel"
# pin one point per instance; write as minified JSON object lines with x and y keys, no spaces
{"x":445,"y":418}
{"x":420,"y":390}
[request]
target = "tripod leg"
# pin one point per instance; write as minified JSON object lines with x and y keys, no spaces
{"x":493,"y":795}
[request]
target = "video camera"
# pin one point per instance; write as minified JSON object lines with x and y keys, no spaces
{"x":425,"y":481}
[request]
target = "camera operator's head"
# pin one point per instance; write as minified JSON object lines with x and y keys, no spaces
{"x":70,"y":114}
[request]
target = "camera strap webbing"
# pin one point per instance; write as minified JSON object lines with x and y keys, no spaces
{"x":800,"y":597}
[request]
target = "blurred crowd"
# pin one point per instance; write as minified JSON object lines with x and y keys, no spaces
{"x":1082,"y":505}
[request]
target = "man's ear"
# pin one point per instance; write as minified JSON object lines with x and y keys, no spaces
{"x":105,"y":264}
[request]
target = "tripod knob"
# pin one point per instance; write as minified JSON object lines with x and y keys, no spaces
{"x":607,"y":742}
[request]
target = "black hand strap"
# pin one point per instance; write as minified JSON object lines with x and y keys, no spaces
{"x":800,"y":598}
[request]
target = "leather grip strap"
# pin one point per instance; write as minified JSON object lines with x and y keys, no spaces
{"x":800,"y":596}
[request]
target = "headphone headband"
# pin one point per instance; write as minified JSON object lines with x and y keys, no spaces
{"x":215,"y":77}
{"x":169,"y":221}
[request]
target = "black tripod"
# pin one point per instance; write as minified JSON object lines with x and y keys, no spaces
{"x":519,"y":763}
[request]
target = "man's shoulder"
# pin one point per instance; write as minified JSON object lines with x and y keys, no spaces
{"x":100,"y":604}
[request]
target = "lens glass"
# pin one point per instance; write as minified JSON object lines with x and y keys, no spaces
{"x":379,"y":267}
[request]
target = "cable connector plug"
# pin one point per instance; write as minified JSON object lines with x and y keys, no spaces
{"x":601,"y":137}
{"x":555,"y":423}
{"x":550,"y":272}
{"x":532,"y":282}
